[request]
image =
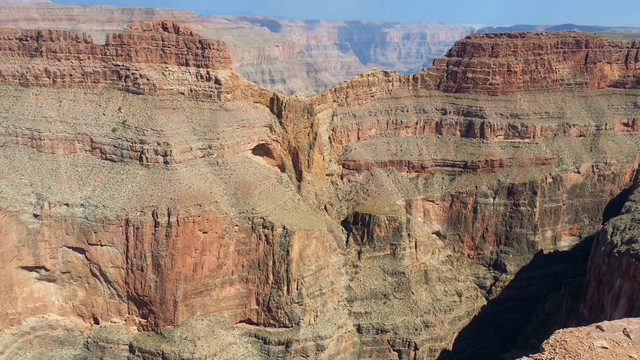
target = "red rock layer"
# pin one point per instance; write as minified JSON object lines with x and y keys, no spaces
{"x":516,"y":61}
{"x":430,"y":165}
{"x":162,"y":42}
{"x":159,"y":268}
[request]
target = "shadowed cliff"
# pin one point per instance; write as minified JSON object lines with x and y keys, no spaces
{"x":528,"y":310}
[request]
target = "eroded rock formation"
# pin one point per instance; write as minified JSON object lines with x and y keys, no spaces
{"x":515,"y":61}
{"x":153,"y":189}
{"x":287,"y":56}
{"x":612,"y":288}
{"x":63,"y":58}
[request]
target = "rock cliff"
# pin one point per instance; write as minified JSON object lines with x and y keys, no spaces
{"x":164,"y":42}
{"x":516,"y":61}
{"x":63,"y":58}
{"x":612,"y":290}
{"x":287,"y":56}
{"x":180,"y":211}
{"x":609,"y":292}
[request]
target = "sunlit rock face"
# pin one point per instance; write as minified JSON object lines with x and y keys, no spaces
{"x":287,"y":56}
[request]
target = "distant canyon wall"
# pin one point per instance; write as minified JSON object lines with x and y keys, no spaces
{"x":287,"y":56}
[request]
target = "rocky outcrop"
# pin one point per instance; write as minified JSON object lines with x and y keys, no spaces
{"x":63,"y":58}
{"x":311,"y":56}
{"x":612,"y":291}
{"x":287,"y":56}
{"x":152,"y":265}
{"x":484,"y":182}
{"x":506,"y":62}
{"x":608,"y":340}
{"x":163,"y":42}
{"x":609,"y":292}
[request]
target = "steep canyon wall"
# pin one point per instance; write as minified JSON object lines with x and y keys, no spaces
{"x":287,"y":56}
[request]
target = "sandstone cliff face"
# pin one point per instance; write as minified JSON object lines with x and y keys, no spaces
{"x":287,"y":56}
{"x":65,"y":58}
{"x":507,"y":62}
{"x":371,"y":221}
{"x":609,"y":292}
{"x":117,"y":258}
{"x":479,"y":183}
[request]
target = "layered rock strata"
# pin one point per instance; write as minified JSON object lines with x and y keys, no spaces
{"x":609,"y":292}
{"x":371,"y":221}
{"x":287,"y":56}
{"x":479,"y":183}
{"x":515,"y":61}
{"x":119,"y":257}
{"x":63,"y":58}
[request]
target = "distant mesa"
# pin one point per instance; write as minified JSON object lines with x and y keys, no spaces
{"x":160,"y":42}
{"x":130,"y":59}
{"x":623,"y":30}
{"x":498,"y":63}
{"x":169,"y":27}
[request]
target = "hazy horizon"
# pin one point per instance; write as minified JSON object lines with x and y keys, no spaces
{"x":489,"y":12}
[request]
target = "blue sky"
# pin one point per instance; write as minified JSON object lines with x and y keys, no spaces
{"x":490,"y":12}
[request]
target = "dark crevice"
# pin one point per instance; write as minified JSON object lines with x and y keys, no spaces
{"x":248,"y":321}
{"x":263,"y":150}
{"x":346,"y":225}
{"x":36,"y":268}
{"x":528,"y":310}
{"x":43,"y":273}
{"x":76,"y":249}
{"x":614,"y":207}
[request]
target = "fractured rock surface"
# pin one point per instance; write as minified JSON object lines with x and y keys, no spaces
{"x":608,"y":340}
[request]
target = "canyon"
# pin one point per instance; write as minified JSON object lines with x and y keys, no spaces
{"x":287,"y":56}
{"x":154,"y":204}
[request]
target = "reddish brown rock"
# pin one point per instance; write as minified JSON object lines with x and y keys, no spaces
{"x":516,"y":61}
{"x":606,"y":340}
{"x":163,"y":42}
{"x":287,"y":56}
